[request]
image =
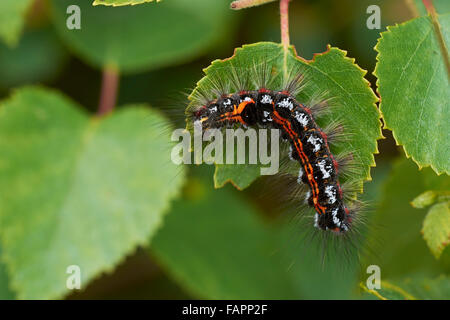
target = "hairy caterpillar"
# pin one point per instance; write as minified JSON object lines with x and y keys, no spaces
{"x":279,"y":108}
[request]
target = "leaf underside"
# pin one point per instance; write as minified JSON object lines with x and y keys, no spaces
{"x":436,"y":228}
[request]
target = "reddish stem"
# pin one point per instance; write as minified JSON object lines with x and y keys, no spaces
{"x":428,"y":5}
{"x":108,"y":96}
{"x":284,"y":18}
{"x":438,"y":32}
{"x":242,"y":4}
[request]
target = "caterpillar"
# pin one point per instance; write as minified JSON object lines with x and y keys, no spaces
{"x":318,"y":168}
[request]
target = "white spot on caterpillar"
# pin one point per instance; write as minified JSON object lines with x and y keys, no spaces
{"x":286,"y":103}
{"x":227,"y":102}
{"x":302,"y":118}
{"x":334,"y":212}
{"x":325,"y":171}
{"x":248,"y":99}
{"x":266,"y":99}
{"x":300,"y":175}
{"x":336,"y":220}
{"x":316,"y":142}
{"x":266,"y":116}
{"x":308,"y":194}
{"x":213,"y":109}
{"x":330,"y":191}
{"x":290,"y":154}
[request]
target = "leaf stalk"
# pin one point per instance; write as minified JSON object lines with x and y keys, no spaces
{"x":437,"y":30}
{"x":108,"y":95}
{"x":284,"y":19}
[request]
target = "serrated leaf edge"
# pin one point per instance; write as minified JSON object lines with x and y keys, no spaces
{"x":12,"y":41}
{"x":397,"y":140}
{"x":435,"y":251}
{"x":308,"y":62}
{"x":16,"y":287}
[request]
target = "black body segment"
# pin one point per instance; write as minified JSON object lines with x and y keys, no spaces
{"x":309,"y":146}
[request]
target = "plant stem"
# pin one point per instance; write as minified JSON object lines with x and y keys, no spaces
{"x":437,"y":30}
{"x":284,"y":15}
{"x":284,"y":19}
{"x":242,"y":4}
{"x":108,"y":96}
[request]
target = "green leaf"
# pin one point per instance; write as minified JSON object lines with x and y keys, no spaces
{"x":441,"y":6}
{"x":331,"y":72}
{"x":75,"y":190}
{"x":38,"y":57}
{"x":5,"y":291}
{"x":413,"y":288}
{"x":428,"y":288}
{"x":12,"y":17}
{"x":395,"y":226}
{"x":429,"y":197}
{"x":436,"y":228}
{"x":424,"y":200}
{"x":116,"y":3}
{"x":139,"y":38}
{"x":389,"y":291}
{"x":414,"y":87}
{"x":417,"y":5}
{"x":215,"y":246}
{"x":240,"y":175}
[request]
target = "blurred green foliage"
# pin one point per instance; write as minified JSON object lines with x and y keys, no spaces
{"x":18,"y":66}
{"x":12,"y":19}
{"x":207,"y":243}
{"x":139,"y":38}
{"x":395,"y":228}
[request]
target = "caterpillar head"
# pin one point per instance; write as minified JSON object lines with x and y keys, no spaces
{"x":206,"y":116}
